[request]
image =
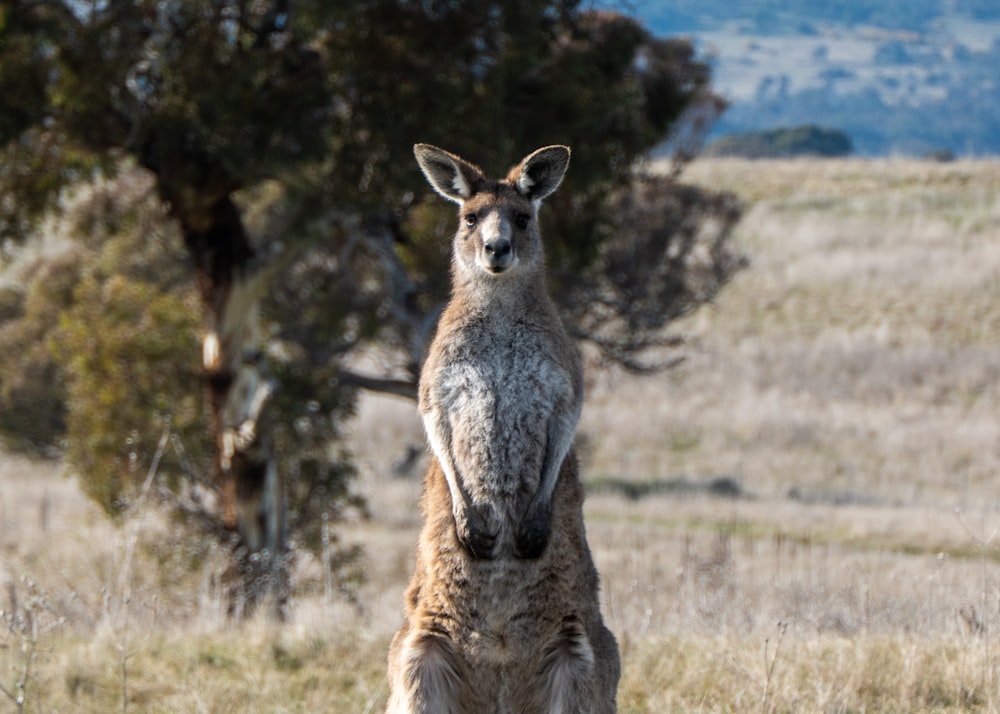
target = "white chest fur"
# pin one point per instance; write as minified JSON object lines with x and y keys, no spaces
{"x":500,"y":396}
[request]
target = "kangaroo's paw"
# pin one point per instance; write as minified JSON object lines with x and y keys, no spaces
{"x":478,"y":529}
{"x":533,"y":531}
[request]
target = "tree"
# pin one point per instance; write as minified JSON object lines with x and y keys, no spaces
{"x":277,"y":138}
{"x":806,"y":140}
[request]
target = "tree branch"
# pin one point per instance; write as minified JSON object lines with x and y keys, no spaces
{"x":399,"y":387}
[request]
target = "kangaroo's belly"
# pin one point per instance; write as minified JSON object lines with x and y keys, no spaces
{"x":507,"y":608}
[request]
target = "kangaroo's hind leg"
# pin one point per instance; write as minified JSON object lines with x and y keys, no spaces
{"x":424,"y":674}
{"x":566,"y":672}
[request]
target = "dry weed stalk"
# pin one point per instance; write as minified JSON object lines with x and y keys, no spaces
{"x":27,"y":622}
{"x":769,"y":665}
{"x":121,"y":622}
{"x":979,"y":626}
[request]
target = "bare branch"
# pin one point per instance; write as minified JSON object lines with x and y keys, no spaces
{"x":399,"y":387}
{"x":401,"y":291}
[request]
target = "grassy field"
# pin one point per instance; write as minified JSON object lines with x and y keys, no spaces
{"x":802,"y":517}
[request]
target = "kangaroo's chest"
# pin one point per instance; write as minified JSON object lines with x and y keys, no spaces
{"x":499,"y":395}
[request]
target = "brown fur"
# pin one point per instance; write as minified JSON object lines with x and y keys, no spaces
{"x":504,"y":625}
{"x":502,"y":609}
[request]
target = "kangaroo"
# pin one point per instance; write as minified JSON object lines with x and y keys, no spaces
{"x":502,"y":611}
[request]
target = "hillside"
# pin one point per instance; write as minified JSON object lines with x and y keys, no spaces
{"x":899,"y":78}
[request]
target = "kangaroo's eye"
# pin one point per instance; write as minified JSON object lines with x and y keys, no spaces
{"x":471,"y":219}
{"x":521,"y":220}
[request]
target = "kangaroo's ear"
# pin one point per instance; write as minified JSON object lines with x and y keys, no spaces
{"x":541,"y":172}
{"x":452,"y":177}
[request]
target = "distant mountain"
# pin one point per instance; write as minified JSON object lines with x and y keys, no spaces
{"x":899,"y":76}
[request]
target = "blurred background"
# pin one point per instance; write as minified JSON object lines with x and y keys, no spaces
{"x":913,"y":79}
{"x":220,"y":270}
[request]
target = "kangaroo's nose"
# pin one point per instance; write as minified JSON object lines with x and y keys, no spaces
{"x":498,"y":248}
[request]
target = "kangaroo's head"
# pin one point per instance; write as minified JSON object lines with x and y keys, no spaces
{"x":498,"y":220}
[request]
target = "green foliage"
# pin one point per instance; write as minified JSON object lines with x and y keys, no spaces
{"x":310,"y":408}
{"x":32,"y":392}
{"x":109,"y":336}
{"x":125,"y":345}
{"x":125,"y":385}
{"x":23,"y":69}
{"x":495,"y":80}
{"x":776,"y":143}
{"x":35,"y":161}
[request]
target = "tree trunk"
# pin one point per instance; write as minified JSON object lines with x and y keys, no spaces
{"x":240,"y":391}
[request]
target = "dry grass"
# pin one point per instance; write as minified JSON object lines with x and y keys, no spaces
{"x":802,"y":467}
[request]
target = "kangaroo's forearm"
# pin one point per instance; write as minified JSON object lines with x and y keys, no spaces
{"x":561,"y":430}
{"x":439,"y":437}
